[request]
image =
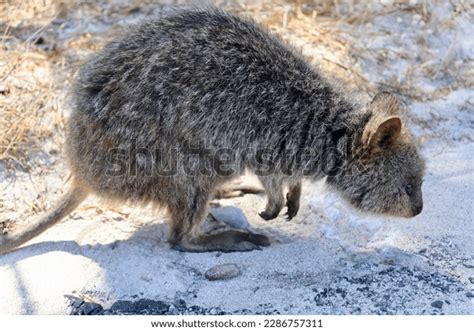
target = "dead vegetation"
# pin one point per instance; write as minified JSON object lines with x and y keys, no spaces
{"x":28,"y":92}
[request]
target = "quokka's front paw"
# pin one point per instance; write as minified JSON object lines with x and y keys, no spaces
{"x":269,"y":214}
{"x":293,"y":206}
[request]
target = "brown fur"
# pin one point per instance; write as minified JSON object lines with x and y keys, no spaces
{"x":181,"y":105}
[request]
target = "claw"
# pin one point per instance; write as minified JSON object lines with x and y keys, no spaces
{"x":291,"y":210}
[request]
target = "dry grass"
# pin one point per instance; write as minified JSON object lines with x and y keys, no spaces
{"x":27,"y":90}
{"x":29,"y":96}
{"x":33,"y":78}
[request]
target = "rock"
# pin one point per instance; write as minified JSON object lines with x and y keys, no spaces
{"x":122,"y":307}
{"x":140,"y":307}
{"x":88,"y":308}
{"x":196,"y":310}
{"x":470,"y":294}
{"x":151,"y":306}
{"x":471,"y":279}
{"x":231,"y":216}
{"x":81,"y":307}
{"x":180,"y":304}
{"x":437,"y":304}
{"x":222,"y":271}
{"x":422,"y":251}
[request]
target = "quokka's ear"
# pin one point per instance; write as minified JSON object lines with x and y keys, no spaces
{"x":382,"y":132}
{"x":385,"y":103}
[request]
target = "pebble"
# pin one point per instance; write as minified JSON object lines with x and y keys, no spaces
{"x":422,"y":251}
{"x":471,"y":279}
{"x":231,"y":216}
{"x":180,"y":304}
{"x":222,"y":271}
{"x":437,"y":304}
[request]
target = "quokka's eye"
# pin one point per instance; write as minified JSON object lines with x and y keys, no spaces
{"x":409,"y":189}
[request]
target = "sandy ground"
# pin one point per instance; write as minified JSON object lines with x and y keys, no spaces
{"x":328,"y":260}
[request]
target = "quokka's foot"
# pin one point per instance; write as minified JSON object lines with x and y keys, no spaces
{"x":227,"y":241}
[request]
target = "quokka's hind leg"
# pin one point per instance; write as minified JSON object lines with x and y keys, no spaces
{"x":275,"y":200}
{"x":10,"y":241}
{"x":186,"y":233}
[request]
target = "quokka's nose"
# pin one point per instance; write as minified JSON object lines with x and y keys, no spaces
{"x":417,"y":209}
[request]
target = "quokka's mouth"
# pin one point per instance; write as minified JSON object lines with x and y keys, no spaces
{"x":388,"y":213}
{"x":406,"y":215}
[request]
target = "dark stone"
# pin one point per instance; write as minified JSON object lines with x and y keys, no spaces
{"x":122,"y":306}
{"x":196,"y":310}
{"x":180,"y":304}
{"x":152,"y":306}
{"x":81,"y":307}
{"x":140,"y":307}
{"x":90,"y":308}
{"x":216,"y":311}
{"x":437,"y":304}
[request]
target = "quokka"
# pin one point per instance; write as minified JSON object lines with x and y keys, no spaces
{"x":213,"y":95}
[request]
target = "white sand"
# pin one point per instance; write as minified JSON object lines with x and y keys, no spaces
{"x":326,"y":260}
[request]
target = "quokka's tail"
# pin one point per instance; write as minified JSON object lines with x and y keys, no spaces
{"x":67,"y":204}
